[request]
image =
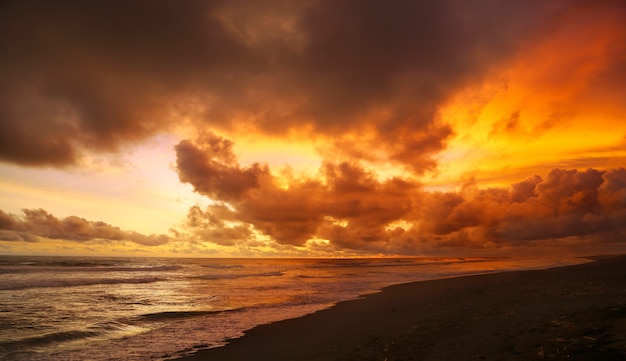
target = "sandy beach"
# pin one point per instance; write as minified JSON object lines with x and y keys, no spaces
{"x":569,"y":313}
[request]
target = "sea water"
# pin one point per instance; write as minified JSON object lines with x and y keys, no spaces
{"x":69,"y":308}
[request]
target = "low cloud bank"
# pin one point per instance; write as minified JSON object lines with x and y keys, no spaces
{"x":350,"y":207}
{"x":36,"y":223}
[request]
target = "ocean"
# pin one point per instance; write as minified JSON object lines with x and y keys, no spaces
{"x":71,"y":308}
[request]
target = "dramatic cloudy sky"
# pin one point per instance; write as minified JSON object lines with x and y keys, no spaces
{"x":313,"y":128}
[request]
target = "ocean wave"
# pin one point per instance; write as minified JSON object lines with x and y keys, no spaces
{"x":48,"y":338}
{"x":34,"y":268}
{"x":71,"y":282}
{"x":365,"y":263}
{"x":222,"y":266}
{"x":167,"y":315}
{"x":240,"y":275}
{"x":107,"y":330}
{"x":395,"y":262}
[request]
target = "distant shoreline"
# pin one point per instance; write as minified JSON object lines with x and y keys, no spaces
{"x":571,"y":312}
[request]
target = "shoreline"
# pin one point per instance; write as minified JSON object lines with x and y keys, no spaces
{"x":572,"y":312}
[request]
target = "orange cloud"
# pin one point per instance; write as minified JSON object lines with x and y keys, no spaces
{"x":39,"y":223}
{"x":586,"y":205}
{"x":291,"y":214}
{"x":349,"y":207}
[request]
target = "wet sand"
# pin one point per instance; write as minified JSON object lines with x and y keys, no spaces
{"x":568,"y":313}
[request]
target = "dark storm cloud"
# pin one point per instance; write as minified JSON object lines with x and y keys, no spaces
{"x":39,"y":223}
{"x":96,"y":75}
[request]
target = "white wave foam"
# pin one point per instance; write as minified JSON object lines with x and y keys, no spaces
{"x":71,"y":282}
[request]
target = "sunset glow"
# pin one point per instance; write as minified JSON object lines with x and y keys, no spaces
{"x":322,"y":129}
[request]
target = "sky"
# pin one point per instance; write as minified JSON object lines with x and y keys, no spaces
{"x":313,"y":128}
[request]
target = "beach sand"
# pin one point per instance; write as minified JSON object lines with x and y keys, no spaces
{"x":568,"y":313}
